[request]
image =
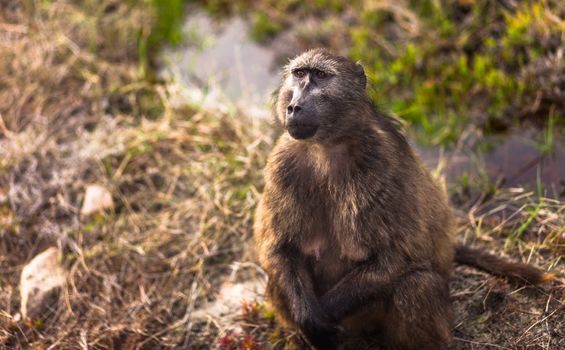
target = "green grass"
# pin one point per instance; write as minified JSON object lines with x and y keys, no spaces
{"x":165,"y":28}
{"x":547,"y":146}
{"x":532,"y":214}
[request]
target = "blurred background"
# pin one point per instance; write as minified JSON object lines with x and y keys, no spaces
{"x":133,"y":134}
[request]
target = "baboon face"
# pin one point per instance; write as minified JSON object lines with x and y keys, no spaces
{"x":319,"y":90}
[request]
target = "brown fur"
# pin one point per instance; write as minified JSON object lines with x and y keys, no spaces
{"x":493,"y":264}
{"x":353,"y":231}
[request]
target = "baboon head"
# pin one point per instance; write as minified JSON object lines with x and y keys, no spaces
{"x":321,"y":95}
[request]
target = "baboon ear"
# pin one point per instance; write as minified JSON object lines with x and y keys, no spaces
{"x":361,"y":74}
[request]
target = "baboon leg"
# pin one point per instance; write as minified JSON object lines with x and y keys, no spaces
{"x":366,"y":322}
{"x":278,"y":302}
{"x":420,"y":315}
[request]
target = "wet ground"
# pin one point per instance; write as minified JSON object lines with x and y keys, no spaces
{"x":221,"y":67}
{"x":517,"y":158}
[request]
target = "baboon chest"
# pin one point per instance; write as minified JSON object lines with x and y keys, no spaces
{"x":329,"y":254}
{"x":326,"y":214}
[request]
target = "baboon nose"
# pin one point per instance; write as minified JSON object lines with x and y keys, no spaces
{"x":293,"y":109}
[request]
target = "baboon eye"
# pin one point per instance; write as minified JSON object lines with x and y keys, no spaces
{"x":321,"y":74}
{"x":299,"y":73}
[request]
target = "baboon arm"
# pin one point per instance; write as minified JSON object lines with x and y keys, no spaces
{"x":368,"y":281}
{"x":292,"y":277}
{"x":294,"y":282}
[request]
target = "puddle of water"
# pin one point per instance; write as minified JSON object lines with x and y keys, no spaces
{"x":228,"y":69}
{"x":512,"y":160}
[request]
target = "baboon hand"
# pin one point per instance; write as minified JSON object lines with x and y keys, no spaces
{"x":329,"y":308}
{"x":318,"y":329}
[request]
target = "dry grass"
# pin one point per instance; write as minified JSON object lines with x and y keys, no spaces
{"x":75,"y":111}
{"x":184,"y":182}
{"x":492,"y":313}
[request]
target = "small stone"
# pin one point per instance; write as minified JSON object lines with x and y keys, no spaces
{"x":228,"y":303}
{"x":96,"y":199}
{"x":41,"y":282}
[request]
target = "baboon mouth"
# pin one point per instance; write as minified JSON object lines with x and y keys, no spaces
{"x":302,"y":131}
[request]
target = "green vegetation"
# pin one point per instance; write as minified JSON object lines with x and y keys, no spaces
{"x":440,"y":65}
{"x":463,"y":63}
{"x":546,"y":147}
{"x":164,"y":27}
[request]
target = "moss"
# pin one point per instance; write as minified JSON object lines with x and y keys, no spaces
{"x":263,"y":28}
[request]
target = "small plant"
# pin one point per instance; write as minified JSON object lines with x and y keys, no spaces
{"x":259,"y":330}
{"x":166,"y":28}
{"x":546,"y":147}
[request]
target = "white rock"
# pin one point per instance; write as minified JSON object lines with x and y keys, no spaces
{"x":96,"y":199}
{"x":41,"y":280}
{"x":228,"y":303}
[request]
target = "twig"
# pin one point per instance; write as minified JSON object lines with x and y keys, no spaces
{"x":4,"y":129}
{"x":481,"y":343}
{"x":538,"y":322}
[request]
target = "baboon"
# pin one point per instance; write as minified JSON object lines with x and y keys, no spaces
{"x":353,"y":231}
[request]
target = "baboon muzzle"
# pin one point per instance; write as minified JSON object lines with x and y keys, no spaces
{"x":299,"y":125}
{"x":302,"y":122}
